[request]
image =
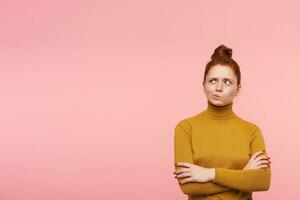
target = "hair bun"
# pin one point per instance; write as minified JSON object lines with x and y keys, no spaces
{"x":222,"y":51}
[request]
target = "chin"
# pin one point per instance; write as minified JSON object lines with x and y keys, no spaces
{"x":217,"y":102}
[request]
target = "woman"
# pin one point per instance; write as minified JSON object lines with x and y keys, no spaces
{"x":219,"y":155}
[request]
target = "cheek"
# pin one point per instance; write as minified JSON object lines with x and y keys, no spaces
{"x":208,"y":90}
{"x":231,"y":92}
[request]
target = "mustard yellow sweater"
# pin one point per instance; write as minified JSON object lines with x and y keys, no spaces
{"x":218,"y":138}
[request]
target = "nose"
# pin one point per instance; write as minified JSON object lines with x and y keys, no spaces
{"x":219,"y":87}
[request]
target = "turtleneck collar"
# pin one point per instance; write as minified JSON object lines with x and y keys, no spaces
{"x":219,"y":112}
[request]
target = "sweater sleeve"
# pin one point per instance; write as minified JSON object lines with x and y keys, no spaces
{"x":183,"y":153}
{"x":247,"y":180}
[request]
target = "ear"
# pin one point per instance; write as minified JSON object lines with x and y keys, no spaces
{"x":238,"y":90}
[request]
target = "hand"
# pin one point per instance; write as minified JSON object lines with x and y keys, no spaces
{"x":257,"y":161}
{"x":193,"y":173}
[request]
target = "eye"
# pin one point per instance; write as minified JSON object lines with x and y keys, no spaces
{"x":227,"y":82}
{"x":212,"y":81}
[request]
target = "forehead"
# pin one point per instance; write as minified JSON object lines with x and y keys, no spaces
{"x":221,"y":71}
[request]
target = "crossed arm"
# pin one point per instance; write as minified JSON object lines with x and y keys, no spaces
{"x":225,"y":179}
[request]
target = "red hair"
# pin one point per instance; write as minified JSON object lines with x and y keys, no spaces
{"x":222,"y":56}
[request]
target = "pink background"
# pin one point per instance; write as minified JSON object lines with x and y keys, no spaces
{"x":91,"y":92}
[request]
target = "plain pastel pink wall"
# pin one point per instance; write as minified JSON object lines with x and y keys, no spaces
{"x":91,"y":92}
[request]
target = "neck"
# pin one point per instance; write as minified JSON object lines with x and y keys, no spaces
{"x":219,"y":112}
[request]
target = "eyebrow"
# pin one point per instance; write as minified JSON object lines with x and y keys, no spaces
{"x":217,"y":78}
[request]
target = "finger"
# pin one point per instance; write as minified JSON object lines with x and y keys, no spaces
{"x":256,"y":154}
{"x":262,"y":157}
{"x":182,"y":170}
{"x":183,"y":175}
{"x":261,"y":162}
{"x":186,"y":180}
{"x":183,"y":164}
{"x":264,"y":166}
{"x":261,"y":165}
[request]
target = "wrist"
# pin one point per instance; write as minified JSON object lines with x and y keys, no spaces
{"x":212,"y":174}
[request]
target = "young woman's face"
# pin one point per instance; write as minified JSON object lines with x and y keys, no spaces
{"x":220,"y":86}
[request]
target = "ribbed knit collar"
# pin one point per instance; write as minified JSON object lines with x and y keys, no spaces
{"x":219,"y":112}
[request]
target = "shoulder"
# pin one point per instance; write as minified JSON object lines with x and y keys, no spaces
{"x":249,"y":124}
{"x":189,"y":120}
{"x":187,"y":123}
{"x":255,"y":130}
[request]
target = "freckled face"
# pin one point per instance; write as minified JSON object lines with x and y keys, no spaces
{"x":220,"y":81}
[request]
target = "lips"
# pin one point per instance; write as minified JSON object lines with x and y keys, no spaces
{"x":216,"y":96}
